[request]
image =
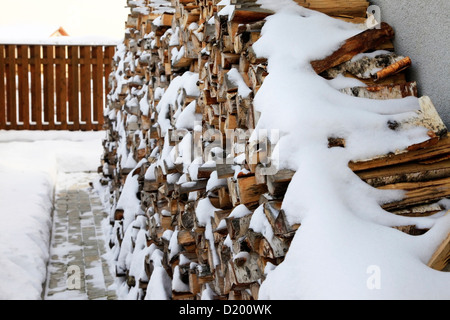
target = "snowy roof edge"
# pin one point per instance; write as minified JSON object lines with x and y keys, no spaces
{"x":62,"y":41}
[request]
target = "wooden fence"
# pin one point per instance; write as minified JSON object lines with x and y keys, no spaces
{"x":53,"y":87}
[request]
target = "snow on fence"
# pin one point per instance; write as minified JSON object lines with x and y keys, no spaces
{"x":53,"y":87}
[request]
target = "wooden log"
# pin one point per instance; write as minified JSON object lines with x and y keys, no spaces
{"x":224,"y":171}
{"x":249,"y":15}
{"x":365,"y":68}
{"x":441,"y":256}
{"x":278,"y":183}
{"x":427,"y":117}
{"x":438,"y":151}
{"x":166,"y":20}
{"x":237,"y":227}
{"x":187,"y":187}
{"x":248,"y":191}
{"x":411,"y":230}
{"x":194,"y":285}
{"x":205,"y":172}
{"x":257,"y":152}
{"x":393,"y":69}
{"x":273,"y":249}
{"x":185,"y":238}
{"x":352,"y":8}
{"x":252,"y":239}
{"x":418,"y":192}
{"x":420,"y":210}
{"x":384,"y":92}
{"x":224,"y":198}
{"x":204,"y":274}
{"x":229,"y":59}
{"x":408,"y":172}
{"x":166,"y":222}
{"x":118,"y":214}
{"x":243,"y":274}
{"x":219,"y":215}
{"x":365,"y":41}
{"x":277,"y":219}
{"x":182,"y":295}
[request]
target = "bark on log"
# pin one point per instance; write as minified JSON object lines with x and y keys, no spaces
{"x":441,"y":256}
{"x":365,"y":41}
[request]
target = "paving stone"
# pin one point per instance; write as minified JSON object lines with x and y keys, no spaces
{"x":77,"y":242}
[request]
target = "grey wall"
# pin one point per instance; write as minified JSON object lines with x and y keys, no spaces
{"x":423,"y":33}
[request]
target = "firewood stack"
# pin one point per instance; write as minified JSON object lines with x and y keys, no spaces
{"x":198,"y":226}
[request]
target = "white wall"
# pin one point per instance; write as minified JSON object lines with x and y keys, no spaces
{"x":423,"y":32}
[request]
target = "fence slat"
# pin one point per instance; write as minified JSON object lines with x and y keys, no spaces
{"x":61,"y":87}
{"x":36,"y":85}
{"x":109,"y":54}
{"x":54,"y":87}
{"x":49,"y":87}
{"x":24,"y":97}
{"x":97,"y":77}
{"x":85,"y":72}
{"x":11,"y":86}
{"x":74,"y":88}
{"x":2,"y":89}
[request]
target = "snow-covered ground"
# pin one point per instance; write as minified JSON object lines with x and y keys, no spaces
{"x":29,"y":164}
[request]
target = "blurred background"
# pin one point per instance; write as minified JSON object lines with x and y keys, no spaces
{"x":79,"y":18}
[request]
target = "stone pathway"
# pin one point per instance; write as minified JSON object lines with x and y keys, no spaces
{"x":77,"y":268}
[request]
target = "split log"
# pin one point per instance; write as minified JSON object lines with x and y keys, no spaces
{"x":437,"y":145}
{"x":151,"y":185}
{"x":185,"y":238}
{"x":249,"y":15}
{"x":408,"y":172}
{"x":420,"y":210}
{"x":418,"y":192}
{"x":441,"y":256}
{"x":426,"y":117}
{"x":248,"y":191}
{"x":384,"y":92}
{"x":438,"y":151}
{"x":365,"y":67}
{"x":187,"y":187}
{"x":393,"y":69}
{"x":365,"y":41}
{"x":278,"y":183}
{"x":245,"y":272}
{"x":194,"y":285}
{"x":352,"y":8}
{"x":273,"y":249}
{"x":237,"y":227}
{"x":277,"y":219}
